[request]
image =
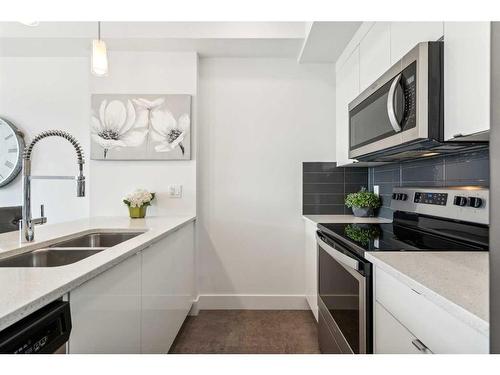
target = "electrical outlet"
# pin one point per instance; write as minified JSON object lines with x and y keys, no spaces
{"x":375,"y":189}
{"x":175,"y":191}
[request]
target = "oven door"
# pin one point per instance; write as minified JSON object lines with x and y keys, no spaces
{"x":344,"y":300}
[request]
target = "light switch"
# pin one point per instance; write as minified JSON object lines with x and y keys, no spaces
{"x":175,"y":191}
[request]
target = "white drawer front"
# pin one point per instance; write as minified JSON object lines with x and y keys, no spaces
{"x":440,"y":331}
{"x":391,"y":337}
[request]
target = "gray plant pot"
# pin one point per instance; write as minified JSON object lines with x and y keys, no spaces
{"x":362,"y":211}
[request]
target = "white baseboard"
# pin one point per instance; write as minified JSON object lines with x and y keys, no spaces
{"x":194,"y":307}
{"x":249,"y":302}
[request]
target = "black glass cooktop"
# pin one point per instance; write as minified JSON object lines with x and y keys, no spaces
{"x":411,"y":233}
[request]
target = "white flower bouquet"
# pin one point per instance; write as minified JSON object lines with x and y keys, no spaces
{"x":137,"y":202}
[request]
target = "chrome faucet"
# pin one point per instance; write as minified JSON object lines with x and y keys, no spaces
{"x":28,"y":223}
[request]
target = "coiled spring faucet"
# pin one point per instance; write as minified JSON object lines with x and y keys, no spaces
{"x":28,"y":223}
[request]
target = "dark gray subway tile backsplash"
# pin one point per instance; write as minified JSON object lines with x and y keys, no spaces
{"x":325,"y":186}
{"x":9,"y":218}
{"x":470,"y":168}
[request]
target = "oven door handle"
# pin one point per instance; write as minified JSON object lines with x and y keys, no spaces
{"x":391,"y":111}
{"x":343,"y":259}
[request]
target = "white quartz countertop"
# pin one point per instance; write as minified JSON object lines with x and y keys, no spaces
{"x":24,"y":290}
{"x":327,"y":219}
{"x":455,"y":281}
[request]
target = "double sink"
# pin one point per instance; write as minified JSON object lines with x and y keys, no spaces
{"x":68,"y":251}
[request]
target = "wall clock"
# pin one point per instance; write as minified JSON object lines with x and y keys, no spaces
{"x":11,"y":152}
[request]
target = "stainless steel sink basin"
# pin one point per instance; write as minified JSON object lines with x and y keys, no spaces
{"x":69,"y":251}
{"x":106,"y":239}
{"x":49,"y":257}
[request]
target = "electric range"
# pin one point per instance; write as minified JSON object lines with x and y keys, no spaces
{"x":425,"y":219}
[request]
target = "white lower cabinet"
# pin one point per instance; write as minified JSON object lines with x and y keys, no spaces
{"x":413,"y":315}
{"x":139,"y":305}
{"x":391,"y":337}
{"x":311,"y":267}
{"x":167,"y":289}
{"x":106,"y":311}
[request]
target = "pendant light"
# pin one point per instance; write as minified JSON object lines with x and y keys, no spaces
{"x":99,"y":55}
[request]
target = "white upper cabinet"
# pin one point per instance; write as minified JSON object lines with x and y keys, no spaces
{"x":406,"y":35}
{"x":374,"y":54}
{"x":466,"y":78}
{"x":346,"y":90}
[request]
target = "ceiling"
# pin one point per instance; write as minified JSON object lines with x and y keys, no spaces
{"x":306,"y":41}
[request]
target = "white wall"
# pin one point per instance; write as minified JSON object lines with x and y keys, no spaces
{"x":48,"y":93}
{"x":259,"y":119}
{"x":146,"y":73}
{"x":39,"y":93}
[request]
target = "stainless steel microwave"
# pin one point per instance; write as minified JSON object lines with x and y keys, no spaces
{"x":402,"y":112}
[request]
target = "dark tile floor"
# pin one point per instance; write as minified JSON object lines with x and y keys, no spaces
{"x":248,"y":332}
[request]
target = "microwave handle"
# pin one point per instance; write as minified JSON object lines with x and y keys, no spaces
{"x":390,"y":104}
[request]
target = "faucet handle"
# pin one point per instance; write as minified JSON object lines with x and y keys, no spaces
{"x":42,"y":219}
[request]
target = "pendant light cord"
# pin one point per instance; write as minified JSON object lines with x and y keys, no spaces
{"x":99,"y":30}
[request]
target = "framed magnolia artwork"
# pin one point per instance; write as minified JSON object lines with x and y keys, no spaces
{"x":140,"y":127}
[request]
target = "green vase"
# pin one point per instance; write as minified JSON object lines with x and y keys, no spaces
{"x":137,"y":212}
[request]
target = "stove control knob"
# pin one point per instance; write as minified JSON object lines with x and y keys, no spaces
{"x":403,"y":196}
{"x":475,"y":202}
{"x":394,"y":196}
{"x":460,"y":201}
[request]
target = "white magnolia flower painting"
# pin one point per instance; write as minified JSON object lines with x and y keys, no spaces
{"x":140,"y":127}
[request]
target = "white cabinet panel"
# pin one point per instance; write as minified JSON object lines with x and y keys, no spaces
{"x":167,"y":289}
{"x":106,"y":311}
{"x":390,"y":336}
{"x":440,"y":331}
{"x":311,"y":265}
{"x":374,"y":54}
{"x":406,"y":35}
{"x":466,"y":78}
{"x":347,"y":89}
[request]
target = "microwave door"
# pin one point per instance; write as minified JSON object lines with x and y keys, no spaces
{"x":375,"y":123}
{"x":400,"y":106}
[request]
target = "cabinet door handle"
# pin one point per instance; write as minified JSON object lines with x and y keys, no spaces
{"x":420,"y":346}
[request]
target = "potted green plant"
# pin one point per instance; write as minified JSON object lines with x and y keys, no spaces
{"x":362,"y":203}
{"x":138,"y":202}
